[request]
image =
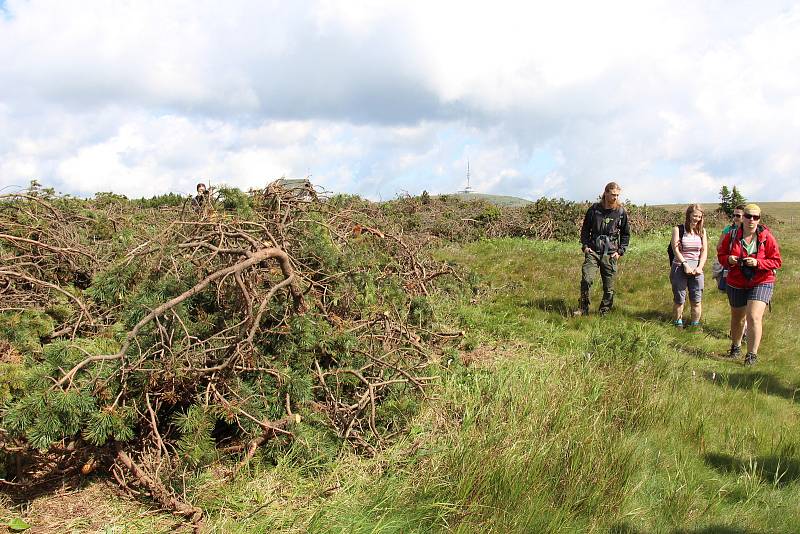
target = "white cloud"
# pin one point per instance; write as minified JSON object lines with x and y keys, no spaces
{"x":671,"y":100}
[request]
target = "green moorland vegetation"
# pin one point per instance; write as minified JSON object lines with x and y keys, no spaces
{"x":619,"y":424}
{"x":499,"y":200}
{"x":539,"y":422}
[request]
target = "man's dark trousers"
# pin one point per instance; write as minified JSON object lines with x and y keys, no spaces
{"x":608,"y":270}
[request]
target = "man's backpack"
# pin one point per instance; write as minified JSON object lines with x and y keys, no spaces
{"x":670,"y":252}
{"x":610,"y":226}
{"x":605,"y":231}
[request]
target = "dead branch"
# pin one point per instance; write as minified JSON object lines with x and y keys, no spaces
{"x":271,"y":429}
{"x":54,"y":287}
{"x":159,"y":492}
{"x":60,"y":250}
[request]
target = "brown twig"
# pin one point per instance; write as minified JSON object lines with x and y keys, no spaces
{"x":271,"y":429}
{"x":159,"y":492}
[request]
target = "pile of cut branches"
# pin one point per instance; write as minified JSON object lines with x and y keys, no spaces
{"x":461,"y":220}
{"x":144,"y":341}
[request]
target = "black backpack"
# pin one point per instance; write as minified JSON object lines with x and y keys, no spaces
{"x":670,"y":252}
{"x":611,"y":228}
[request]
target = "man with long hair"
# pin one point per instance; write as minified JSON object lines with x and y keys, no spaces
{"x":605,"y":235}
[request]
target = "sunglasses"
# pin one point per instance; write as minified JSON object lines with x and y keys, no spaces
{"x":737,"y":215}
{"x":752,"y":217}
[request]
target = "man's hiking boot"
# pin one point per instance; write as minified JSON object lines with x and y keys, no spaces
{"x":583,"y":305}
{"x":750,"y":358}
{"x":604,"y":311}
{"x":678,"y":323}
{"x":735,"y":352}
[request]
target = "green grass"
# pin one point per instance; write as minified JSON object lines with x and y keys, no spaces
{"x":617,"y":424}
{"x":545,"y":423}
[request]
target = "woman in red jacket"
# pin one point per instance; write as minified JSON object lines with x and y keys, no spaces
{"x":752,"y":255}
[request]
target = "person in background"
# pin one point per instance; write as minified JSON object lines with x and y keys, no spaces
{"x":752,"y":256}
{"x":605,"y":234}
{"x":736,"y":222}
{"x":201,"y":200}
{"x":686,"y":271}
{"x":722,"y":276}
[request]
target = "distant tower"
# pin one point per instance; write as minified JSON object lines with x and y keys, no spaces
{"x":467,"y":190}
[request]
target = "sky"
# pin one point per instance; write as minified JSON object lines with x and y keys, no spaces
{"x":670,"y":99}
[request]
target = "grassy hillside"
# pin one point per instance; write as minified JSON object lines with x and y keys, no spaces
{"x":622,"y":423}
{"x":498,"y":200}
{"x":619,"y":424}
{"x":545,"y":423}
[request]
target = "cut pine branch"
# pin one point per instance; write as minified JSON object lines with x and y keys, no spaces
{"x":159,"y":492}
{"x":254,"y":259}
{"x":271,"y":429}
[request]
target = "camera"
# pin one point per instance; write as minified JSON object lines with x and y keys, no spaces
{"x":747,"y":271}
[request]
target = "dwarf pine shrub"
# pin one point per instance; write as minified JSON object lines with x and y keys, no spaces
{"x":235,"y":200}
{"x":25,"y":330}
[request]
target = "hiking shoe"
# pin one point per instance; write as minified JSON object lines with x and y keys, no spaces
{"x":750,"y":358}
{"x":694,"y":324}
{"x":678,"y":323}
{"x":604,"y":311}
{"x":735,"y":352}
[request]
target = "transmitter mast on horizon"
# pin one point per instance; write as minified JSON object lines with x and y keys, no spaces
{"x":467,"y":190}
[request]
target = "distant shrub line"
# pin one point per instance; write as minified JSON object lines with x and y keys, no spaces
{"x":461,"y":221}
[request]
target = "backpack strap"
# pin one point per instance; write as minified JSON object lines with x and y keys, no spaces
{"x":614,"y":230}
{"x":734,"y":237}
{"x":670,"y":252}
{"x":739,"y":235}
{"x":759,"y":230}
{"x":619,"y":212}
{"x":613,"y":226}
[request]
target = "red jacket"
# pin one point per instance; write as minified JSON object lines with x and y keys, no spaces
{"x":768,"y":256}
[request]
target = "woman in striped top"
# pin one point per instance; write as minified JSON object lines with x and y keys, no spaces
{"x":686,"y":271}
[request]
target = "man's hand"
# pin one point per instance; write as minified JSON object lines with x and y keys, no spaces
{"x":750,"y":262}
{"x":732,"y":260}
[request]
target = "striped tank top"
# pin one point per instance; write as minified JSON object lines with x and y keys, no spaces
{"x":691,"y":245}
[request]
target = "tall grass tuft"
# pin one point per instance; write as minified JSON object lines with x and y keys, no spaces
{"x":535,"y":446}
